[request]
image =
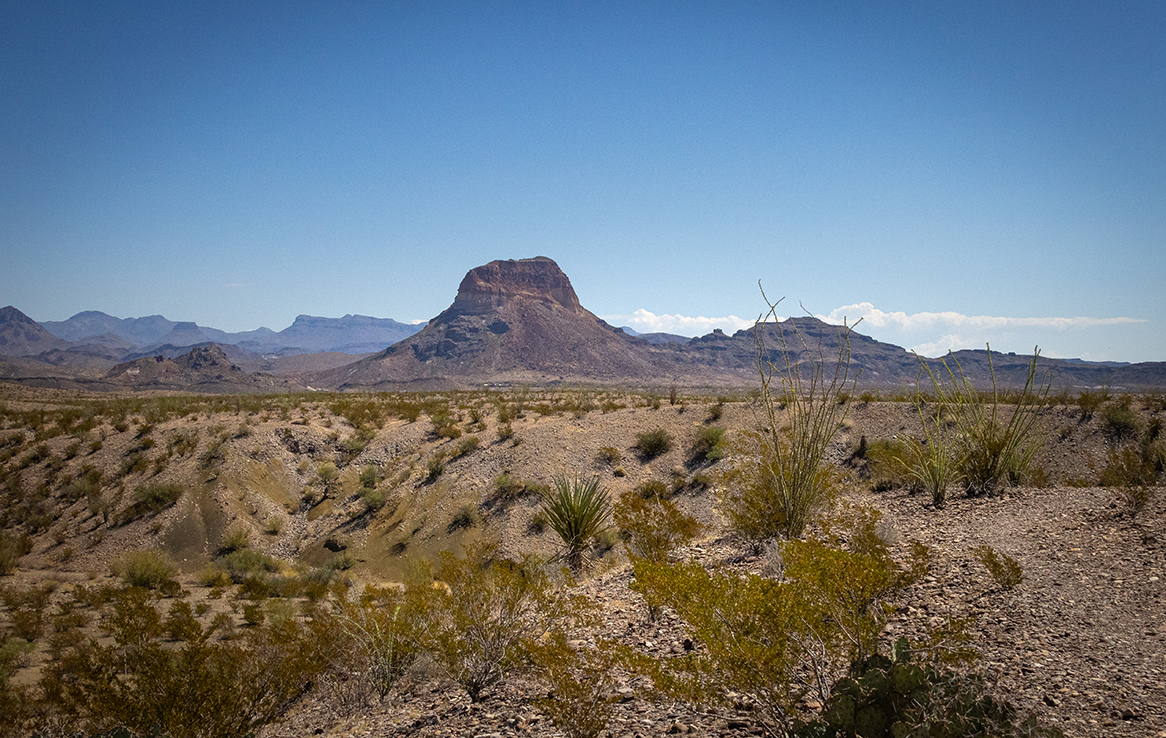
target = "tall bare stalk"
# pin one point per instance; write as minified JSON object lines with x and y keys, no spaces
{"x":786,"y":480}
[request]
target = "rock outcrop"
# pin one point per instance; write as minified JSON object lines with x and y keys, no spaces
{"x":511,"y":321}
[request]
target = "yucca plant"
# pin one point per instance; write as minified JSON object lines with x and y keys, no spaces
{"x":578,"y":510}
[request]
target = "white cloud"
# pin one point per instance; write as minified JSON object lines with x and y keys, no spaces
{"x":643,"y":321}
{"x":873,"y":317}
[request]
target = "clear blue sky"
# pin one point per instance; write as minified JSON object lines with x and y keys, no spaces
{"x":961,"y":172}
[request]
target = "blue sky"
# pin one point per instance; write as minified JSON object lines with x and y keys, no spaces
{"x":955,"y":172}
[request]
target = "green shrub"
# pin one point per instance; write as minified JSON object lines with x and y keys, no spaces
{"x":148,"y":568}
{"x":445,"y":425}
{"x":653,"y":443}
{"x":1090,"y":400}
{"x":374,"y":635}
{"x":27,"y":610}
{"x":652,"y":528}
{"x":370,"y":476}
{"x":247,"y":563}
{"x":487,"y":621}
{"x":12,"y":547}
{"x":150,"y":499}
{"x":507,"y":489}
{"x":774,"y":642}
{"x":889,"y":462}
{"x":577,"y":510}
{"x":373,"y":499}
{"x":716,"y":411}
{"x":1005,"y":570}
{"x":581,"y":684}
{"x":988,"y":453}
{"x":328,"y":477}
{"x":435,"y":467}
{"x":1131,"y":474}
{"x":466,"y":517}
{"x":653,"y":489}
{"x":1120,"y":419}
{"x":465,"y":446}
{"x":200,"y":688}
{"x":709,"y":445}
{"x":236,"y":538}
{"x":894,"y":696}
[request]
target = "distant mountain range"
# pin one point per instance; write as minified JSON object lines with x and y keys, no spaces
{"x":352,"y":334}
{"x":512,"y":322}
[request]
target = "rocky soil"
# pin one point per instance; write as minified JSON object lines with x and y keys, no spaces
{"x":1082,"y":640}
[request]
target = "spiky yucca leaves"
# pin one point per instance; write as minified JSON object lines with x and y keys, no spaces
{"x":578,"y":510}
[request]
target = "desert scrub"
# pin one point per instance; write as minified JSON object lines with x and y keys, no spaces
{"x":373,"y":635}
{"x":488,"y":620}
{"x":435,"y":467}
{"x":150,"y":499}
{"x":148,"y":568}
{"x":467,"y":445}
{"x":578,"y":511}
{"x":1120,"y":420}
{"x":581,"y":684}
{"x":652,"y":528}
{"x":152,"y":687}
{"x":932,"y":466}
{"x":12,"y":547}
{"x":466,"y":517}
{"x":987,"y":452}
{"x":1004,"y":569}
{"x":653,"y":443}
{"x":782,"y":480}
{"x":1131,"y":474}
{"x":610,"y":455}
{"x":709,"y":445}
{"x":775,"y":642}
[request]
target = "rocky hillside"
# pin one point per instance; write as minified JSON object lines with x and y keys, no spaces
{"x":20,"y":335}
{"x":374,"y":483}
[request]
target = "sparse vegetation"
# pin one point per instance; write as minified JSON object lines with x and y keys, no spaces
{"x":652,"y":527}
{"x":782,"y":479}
{"x":653,"y":443}
{"x":149,"y":569}
{"x":1005,"y":570}
{"x":487,"y":621}
{"x":709,"y":445}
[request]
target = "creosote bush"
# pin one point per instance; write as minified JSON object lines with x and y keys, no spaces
{"x":200,"y":688}
{"x":709,"y":445}
{"x":774,"y":641}
{"x":148,"y":568}
{"x":486,"y":623}
{"x":652,"y":528}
